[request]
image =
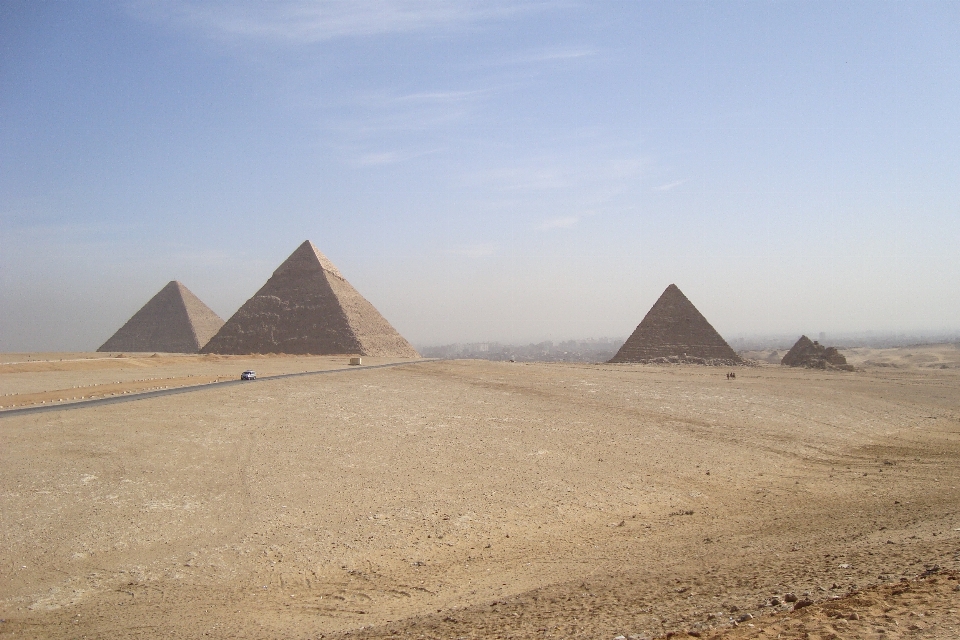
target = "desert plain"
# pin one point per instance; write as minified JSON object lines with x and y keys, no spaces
{"x":475,"y":499}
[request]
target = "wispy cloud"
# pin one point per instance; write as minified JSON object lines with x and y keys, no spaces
{"x":551,"y":55}
{"x":670,"y":185}
{"x":568,"y":54}
{"x":474,"y":250}
{"x":374,"y":159}
{"x":556,"y":173}
{"x":525,"y":178}
{"x":564,"y":222}
{"x":388,"y":157}
{"x":306,"y":21}
{"x":200,"y":257}
{"x":363,"y":115}
{"x":440,"y":96}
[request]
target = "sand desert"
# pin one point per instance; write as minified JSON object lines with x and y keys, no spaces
{"x":446,"y":499}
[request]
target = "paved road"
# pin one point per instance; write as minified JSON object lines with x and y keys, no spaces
{"x":130,"y":397}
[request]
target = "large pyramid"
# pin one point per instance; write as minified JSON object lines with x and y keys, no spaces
{"x":307,"y":307}
{"x":674,"y":331}
{"x":173,"y":321}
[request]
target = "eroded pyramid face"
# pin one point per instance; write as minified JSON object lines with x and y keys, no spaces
{"x":307,"y":307}
{"x":173,"y":321}
{"x":807,"y":353}
{"x":674,"y":328}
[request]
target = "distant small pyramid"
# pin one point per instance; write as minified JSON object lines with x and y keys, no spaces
{"x":173,"y":321}
{"x":674,"y":331}
{"x":800,"y":348}
{"x":307,"y":307}
{"x":813,"y":355}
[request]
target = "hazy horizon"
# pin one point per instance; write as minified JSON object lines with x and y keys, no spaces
{"x":484,"y":171}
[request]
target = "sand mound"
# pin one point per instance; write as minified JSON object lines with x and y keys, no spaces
{"x":924,"y":607}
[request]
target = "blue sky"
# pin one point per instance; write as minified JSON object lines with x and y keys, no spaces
{"x":513,"y":171}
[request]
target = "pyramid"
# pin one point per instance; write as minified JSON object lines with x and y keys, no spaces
{"x":674,"y":331}
{"x":173,"y":321}
{"x":811,"y":354}
{"x":307,"y":307}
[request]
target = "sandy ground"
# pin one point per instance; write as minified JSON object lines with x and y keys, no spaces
{"x":481,"y":500}
{"x":929,"y":356}
{"x":28,"y":379}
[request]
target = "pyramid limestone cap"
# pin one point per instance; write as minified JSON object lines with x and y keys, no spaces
{"x":308,"y":258}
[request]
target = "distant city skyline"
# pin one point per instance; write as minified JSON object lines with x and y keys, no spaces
{"x":491,"y":171}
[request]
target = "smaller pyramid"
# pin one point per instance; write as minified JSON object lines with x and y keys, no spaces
{"x":674,"y":331}
{"x":813,"y":355}
{"x":173,"y":321}
{"x":308,"y":307}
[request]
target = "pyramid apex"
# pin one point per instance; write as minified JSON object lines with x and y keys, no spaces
{"x":176,"y":287}
{"x":673,"y":295}
{"x":308,"y":256}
